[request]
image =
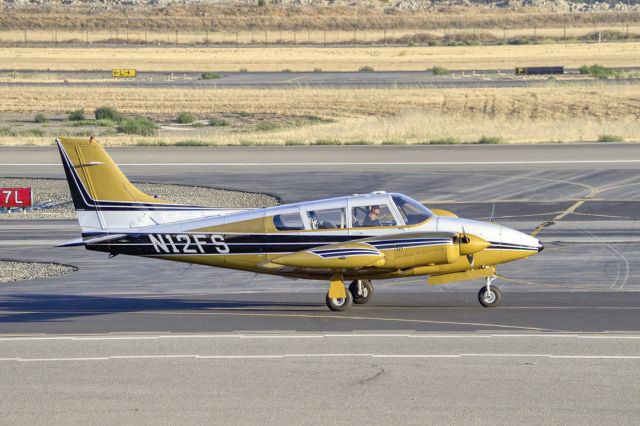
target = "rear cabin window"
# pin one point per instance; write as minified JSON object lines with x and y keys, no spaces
{"x":373,"y":215}
{"x":328,"y":218}
{"x":288,"y":222}
{"x":412,"y":211}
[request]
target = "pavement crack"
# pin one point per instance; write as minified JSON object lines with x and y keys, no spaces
{"x":373,"y":377}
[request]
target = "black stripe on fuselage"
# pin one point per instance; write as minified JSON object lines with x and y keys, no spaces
{"x":208,"y":243}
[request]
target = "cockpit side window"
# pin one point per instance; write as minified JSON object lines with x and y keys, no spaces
{"x":412,"y":211}
{"x":373,"y":215}
{"x":328,"y":218}
{"x":288,"y":222}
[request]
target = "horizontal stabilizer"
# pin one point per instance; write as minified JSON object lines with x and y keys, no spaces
{"x":82,"y":242}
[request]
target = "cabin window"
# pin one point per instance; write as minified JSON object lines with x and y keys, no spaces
{"x":328,"y":218}
{"x":288,"y":222}
{"x":412,"y":211}
{"x":372,"y":215}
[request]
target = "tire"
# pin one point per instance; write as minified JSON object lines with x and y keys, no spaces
{"x":367,"y":292}
{"x":489,"y":300}
{"x":339,"y":305}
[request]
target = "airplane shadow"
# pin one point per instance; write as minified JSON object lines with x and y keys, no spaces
{"x":21,"y":308}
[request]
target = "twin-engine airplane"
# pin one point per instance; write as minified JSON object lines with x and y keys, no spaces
{"x":356,"y":239}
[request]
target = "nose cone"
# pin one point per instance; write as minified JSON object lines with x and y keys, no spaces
{"x":519,"y":241}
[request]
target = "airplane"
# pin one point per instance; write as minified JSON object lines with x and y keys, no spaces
{"x":352,"y":239}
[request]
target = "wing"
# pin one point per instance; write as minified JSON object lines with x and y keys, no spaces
{"x":349,"y":255}
{"x":375,"y":252}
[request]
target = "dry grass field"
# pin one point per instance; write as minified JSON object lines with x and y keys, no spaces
{"x":307,"y":115}
{"x":327,"y":59}
{"x":488,"y":35}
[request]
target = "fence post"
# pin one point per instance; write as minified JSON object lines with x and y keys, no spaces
{"x":504,"y":34}
{"x":146,"y":38}
{"x":308,"y":37}
{"x":564,"y":36}
{"x":87,"y":31}
{"x":355,"y":38}
{"x":237,"y":39}
{"x":294,"y":37}
{"x":324,"y":37}
{"x":25,"y":35}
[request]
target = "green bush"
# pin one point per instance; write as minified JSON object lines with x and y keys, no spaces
{"x":436,"y":70}
{"x":610,"y":138}
{"x":99,"y":123}
{"x":210,"y":76}
{"x":77,"y":115}
{"x":186,"y":118}
{"x":394,"y":142}
{"x":598,"y":71}
{"x":108,"y":113}
{"x":138,"y":126}
{"x":244,"y":70}
{"x":366,"y":68}
{"x":294,"y":143}
{"x":317,"y":70}
{"x":487,"y":140}
{"x":40,"y":118}
{"x":218,"y":122}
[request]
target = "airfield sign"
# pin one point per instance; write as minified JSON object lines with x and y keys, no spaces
{"x":15,"y":197}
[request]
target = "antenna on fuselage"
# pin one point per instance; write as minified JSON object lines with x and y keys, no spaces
{"x":493,"y":210}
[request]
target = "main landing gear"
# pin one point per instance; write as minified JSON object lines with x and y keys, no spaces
{"x":489,"y":295}
{"x":362,"y":291}
{"x":339,"y":298}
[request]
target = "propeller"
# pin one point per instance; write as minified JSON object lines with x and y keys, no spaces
{"x":471,"y":244}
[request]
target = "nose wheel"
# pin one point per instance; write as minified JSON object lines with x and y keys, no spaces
{"x":489,"y":295}
{"x":362,"y":291}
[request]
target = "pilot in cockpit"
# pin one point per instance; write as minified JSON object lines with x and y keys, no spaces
{"x":373,"y":217}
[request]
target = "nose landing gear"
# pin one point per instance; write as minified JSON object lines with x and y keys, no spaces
{"x":489,"y":295}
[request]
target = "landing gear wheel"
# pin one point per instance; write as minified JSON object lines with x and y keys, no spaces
{"x":489,"y":298}
{"x":340,"y":304}
{"x":363,"y":295}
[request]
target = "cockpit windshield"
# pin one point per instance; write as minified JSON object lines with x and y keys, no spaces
{"x":412,"y":211}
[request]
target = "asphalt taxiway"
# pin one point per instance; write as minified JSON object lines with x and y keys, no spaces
{"x":380,"y":79}
{"x":126,"y":337}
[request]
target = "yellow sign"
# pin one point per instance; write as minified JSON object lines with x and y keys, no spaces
{"x":123,"y":73}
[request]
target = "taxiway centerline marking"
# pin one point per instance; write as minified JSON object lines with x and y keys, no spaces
{"x":328,"y":355}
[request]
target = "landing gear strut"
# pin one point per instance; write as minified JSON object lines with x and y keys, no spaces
{"x":362,"y":291}
{"x":338,"y":298}
{"x":489,"y":295}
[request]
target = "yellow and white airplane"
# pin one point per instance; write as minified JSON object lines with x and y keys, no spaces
{"x":356,"y":238}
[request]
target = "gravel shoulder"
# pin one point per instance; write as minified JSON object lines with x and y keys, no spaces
{"x":11,"y":271}
{"x":52,"y":199}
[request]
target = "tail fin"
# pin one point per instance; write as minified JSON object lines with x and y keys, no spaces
{"x":94,"y":178}
{"x":97,"y":184}
{"x":105,"y":200}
